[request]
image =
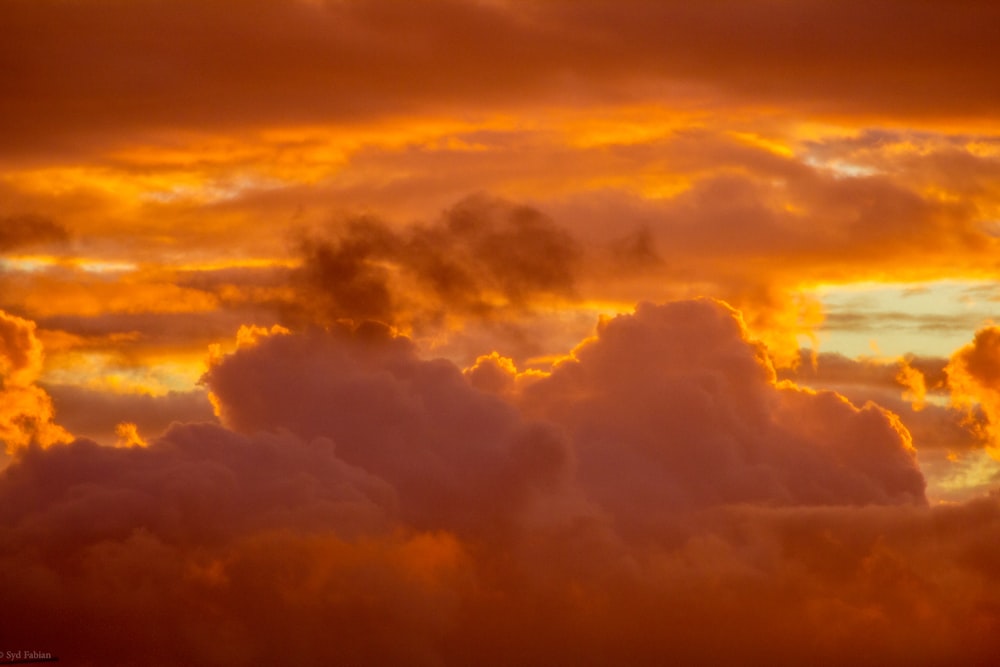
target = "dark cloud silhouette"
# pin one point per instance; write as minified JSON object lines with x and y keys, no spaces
{"x":483,"y":256}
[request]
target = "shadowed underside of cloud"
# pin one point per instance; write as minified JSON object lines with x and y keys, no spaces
{"x":656,"y":498}
{"x":93,"y":67}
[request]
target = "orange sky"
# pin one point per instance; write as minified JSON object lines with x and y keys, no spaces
{"x":500,"y":331}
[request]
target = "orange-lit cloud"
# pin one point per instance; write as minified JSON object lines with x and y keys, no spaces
{"x":974,"y":380}
{"x":915,"y":383}
{"x":308,"y":62}
{"x":359,"y":493}
{"x":17,"y":231}
{"x":950,"y":445}
{"x":26,"y":415}
{"x":444,"y":432}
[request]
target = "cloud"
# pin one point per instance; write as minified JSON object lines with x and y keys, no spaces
{"x":974,"y":380}
{"x":459,"y":458}
{"x":677,"y":407}
{"x":17,"y":231}
{"x":206,"y":517}
{"x":95,"y":413}
{"x":950,"y":445}
{"x":681,"y":200}
{"x":373,"y":58}
{"x":26,"y":415}
{"x":483,"y":256}
{"x":672,"y":408}
{"x":285,"y":551}
{"x":914,"y":388}
{"x":659,"y":496}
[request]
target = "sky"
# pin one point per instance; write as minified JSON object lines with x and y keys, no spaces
{"x":501,"y":332}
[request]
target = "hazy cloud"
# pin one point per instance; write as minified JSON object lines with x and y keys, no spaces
{"x":483,"y":256}
{"x":17,"y":231}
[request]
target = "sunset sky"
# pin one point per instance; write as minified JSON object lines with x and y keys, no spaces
{"x":531,"y":332}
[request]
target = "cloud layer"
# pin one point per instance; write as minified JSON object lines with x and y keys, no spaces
{"x":660,"y":495}
{"x":310,"y":62}
{"x":419,"y":449}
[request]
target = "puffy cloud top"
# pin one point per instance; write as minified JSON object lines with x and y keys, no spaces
{"x":362,"y":501}
{"x":675,"y":406}
{"x":26,"y":415}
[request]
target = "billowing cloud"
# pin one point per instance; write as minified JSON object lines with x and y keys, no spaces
{"x":26,"y":415}
{"x":974,"y":380}
{"x":483,"y":255}
{"x":675,"y":406}
{"x":362,"y":502}
{"x":677,"y":399}
{"x":950,"y":445}
{"x":413,"y":214}
{"x":457,"y":456}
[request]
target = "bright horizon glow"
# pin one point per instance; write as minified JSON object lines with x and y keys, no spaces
{"x":930,"y":319}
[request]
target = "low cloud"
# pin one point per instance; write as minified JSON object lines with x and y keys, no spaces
{"x":659,"y":496}
{"x":677,"y":407}
{"x":949,"y":439}
{"x":95,"y":414}
{"x":459,"y":458}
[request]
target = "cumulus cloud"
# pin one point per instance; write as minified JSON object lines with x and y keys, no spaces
{"x":949,"y":438}
{"x":676,"y":406}
{"x":26,"y":414}
{"x":460,"y":458}
{"x":974,"y":380}
{"x":670,"y":408}
{"x":659,"y":496}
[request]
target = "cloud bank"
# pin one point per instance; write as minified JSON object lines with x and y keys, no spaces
{"x":428,"y":454}
{"x":659,"y":496}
